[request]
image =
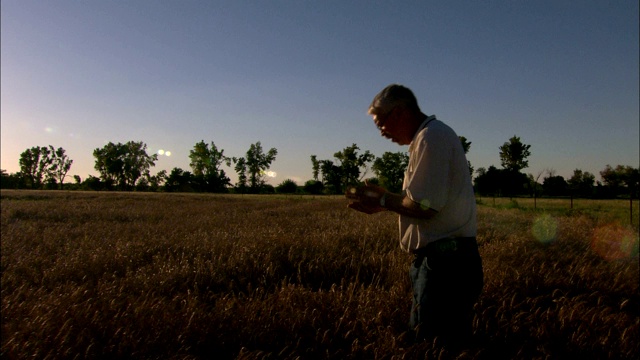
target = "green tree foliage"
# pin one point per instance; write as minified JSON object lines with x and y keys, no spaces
{"x":123,"y":164}
{"x":314,"y":187}
{"x":487,"y":181}
{"x":350,"y":170}
{"x":60,"y":165}
{"x":154,"y":182}
{"x":621,"y":180}
{"x":554,"y":185}
{"x":466,"y":145}
{"x":514,"y":154}
{"x":12,"y":181}
{"x":331,"y":176}
{"x":287,"y":187}
{"x":179,"y":180}
{"x":5,"y":180}
{"x":315,"y":165}
{"x":252,"y":168}
{"x":390,"y":169}
{"x":353,"y":164}
{"x":581,"y":183}
{"x":93,"y":183}
{"x":35,"y":164}
{"x":508,"y":181}
{"x":205,"y":164}
{"x":501,"y":182}
{"x":240,"y":166}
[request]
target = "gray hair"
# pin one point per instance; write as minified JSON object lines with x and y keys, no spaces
{"x":391,"y":97}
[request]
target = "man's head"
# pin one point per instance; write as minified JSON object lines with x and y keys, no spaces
{"x":391,"y":97}
{"x":396,"y":113}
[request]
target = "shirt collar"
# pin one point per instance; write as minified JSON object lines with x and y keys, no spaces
{"x":422,"y":127}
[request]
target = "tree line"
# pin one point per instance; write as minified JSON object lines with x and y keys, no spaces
{"x":127,"y":167}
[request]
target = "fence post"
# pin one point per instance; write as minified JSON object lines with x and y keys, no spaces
{"x":571,"y":200}
{"x":631,"y":209}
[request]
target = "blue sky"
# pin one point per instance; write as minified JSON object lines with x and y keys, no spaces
{"x":299,"y":76}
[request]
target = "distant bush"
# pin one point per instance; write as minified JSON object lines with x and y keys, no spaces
{"x":287,"y":187}
{"x":313,"y":187}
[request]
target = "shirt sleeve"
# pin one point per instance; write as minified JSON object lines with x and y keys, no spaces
{"x":430,"y":170}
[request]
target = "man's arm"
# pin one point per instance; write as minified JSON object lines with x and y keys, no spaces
{"x":403,"y":205}
{"x":372,"y":199}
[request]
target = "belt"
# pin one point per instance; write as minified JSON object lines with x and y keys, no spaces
{"x":447,"y":246}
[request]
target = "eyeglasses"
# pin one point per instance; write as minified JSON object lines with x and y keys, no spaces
{"x":380,"y":121}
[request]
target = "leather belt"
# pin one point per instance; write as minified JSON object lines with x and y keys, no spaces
{"x":447,"y":246}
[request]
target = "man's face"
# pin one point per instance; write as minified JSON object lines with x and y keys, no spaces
{"x":393,"y":126}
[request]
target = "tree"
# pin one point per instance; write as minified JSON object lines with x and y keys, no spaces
{"x":331,"y":176}
{"x":466,"y":145}
{"x":535,"y":186}
{"x":581,"y":183}
{"x":35,"y":164}
{"x":258,"y":163}
{"x":241,"y":169}
{"x":514,"y":154}
{"x":155,"y":181}
{"x":205,"y":163}
{"x":315,"y":164}
{"x":621,"y":179}
{"x":500,"y":182}
{"x":93,"y":183}
{"x":353,"y":164}
{"x":5,"y":180}
{"x":254,"y":166}
{"x":123,"y":164}
{"x":488,"y":181}
{"x":60,"y":165}
{"x":390,"y":169}
{"x":287,"y":187}
{"x":314,"y":187}
{"x":178,"y":180}
{"x":110,"y":164}
{"x":12,"y":181}
{"x":554,"y":185}
{"x":351,"y":169}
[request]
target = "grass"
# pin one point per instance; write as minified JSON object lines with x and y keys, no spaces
{"x":622,"y":211}
{"x":188,"y":276}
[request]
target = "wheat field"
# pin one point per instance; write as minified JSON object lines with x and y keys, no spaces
{"x":201,"y":276}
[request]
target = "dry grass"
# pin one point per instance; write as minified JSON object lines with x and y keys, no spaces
{"x":104,"y":275}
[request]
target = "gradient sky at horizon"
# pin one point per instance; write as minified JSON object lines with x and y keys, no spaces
{"x":299,"y":76}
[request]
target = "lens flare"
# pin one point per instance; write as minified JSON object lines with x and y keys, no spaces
{"x":167,"y":153}
{"x":615,"y":242}
{"x":425,"y":204}
{"x":545,"y":229}
{"x":160,"y":152}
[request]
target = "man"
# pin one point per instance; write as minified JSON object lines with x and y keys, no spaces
{"x":437,"y":217}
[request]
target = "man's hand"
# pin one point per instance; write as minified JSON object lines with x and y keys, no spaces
{"x":366,"y":198}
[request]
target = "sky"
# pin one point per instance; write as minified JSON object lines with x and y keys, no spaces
{"x":299,"y":76}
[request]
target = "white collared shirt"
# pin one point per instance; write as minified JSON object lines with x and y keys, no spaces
{"x":437,"y":177}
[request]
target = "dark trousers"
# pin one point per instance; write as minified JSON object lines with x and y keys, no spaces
{"x":447,"y":279}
